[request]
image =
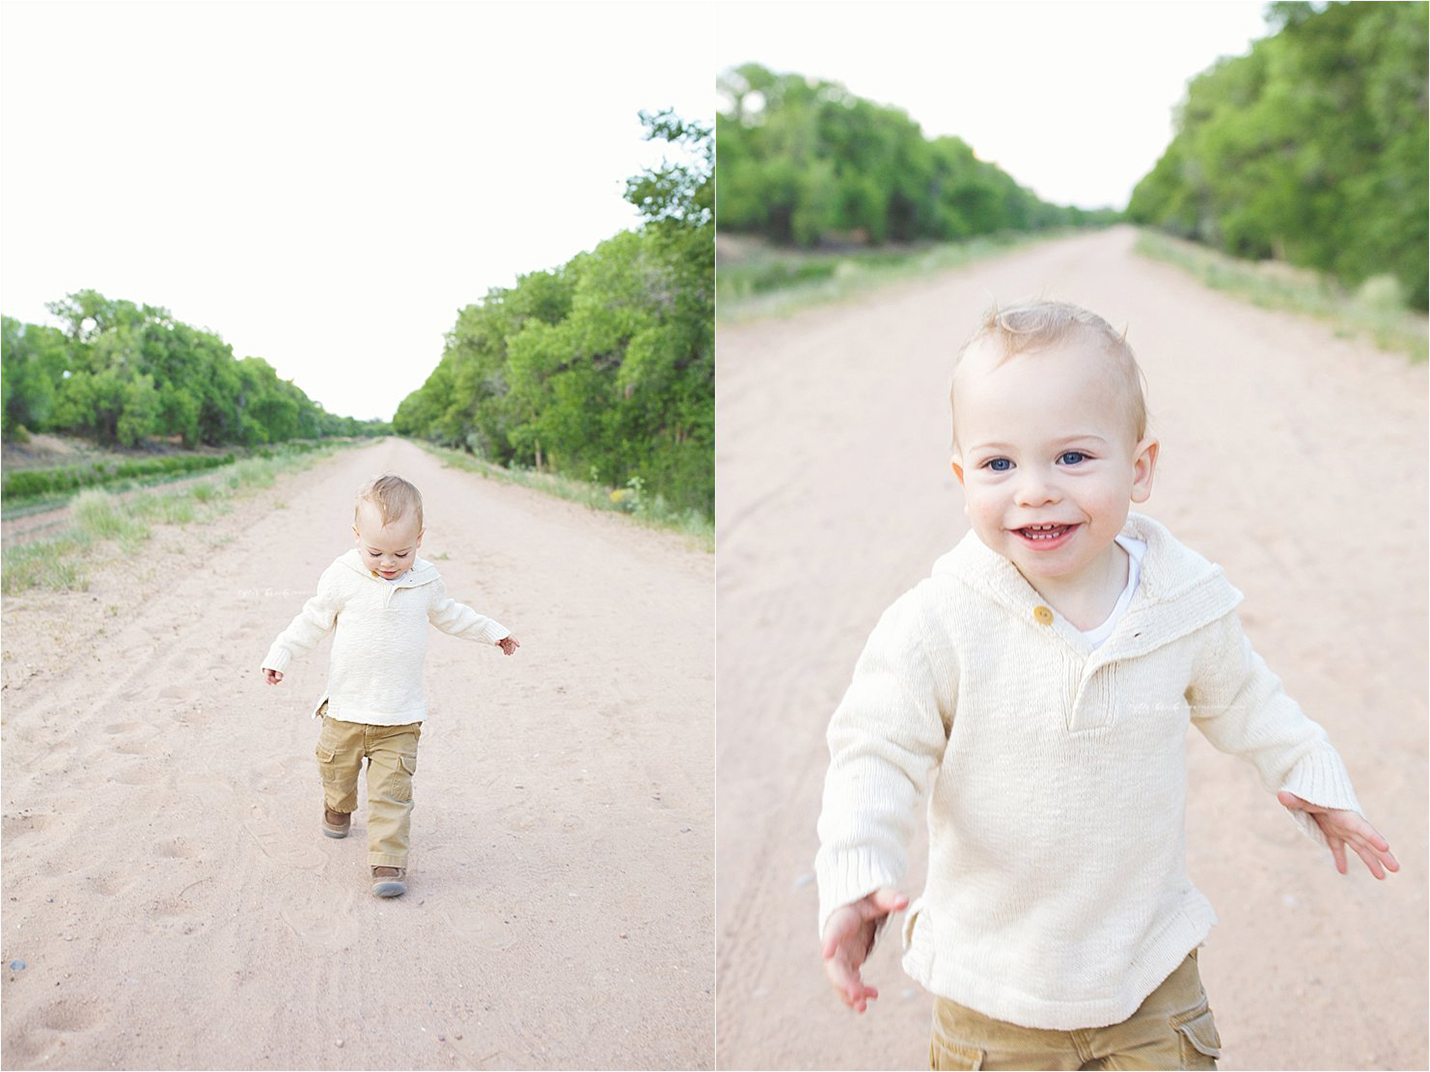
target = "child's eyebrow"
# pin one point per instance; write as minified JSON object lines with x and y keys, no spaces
{"x":1076,"y":437}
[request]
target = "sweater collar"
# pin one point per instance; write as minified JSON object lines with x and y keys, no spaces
{"x":1172,"y":574}
{"x":422,"y":571}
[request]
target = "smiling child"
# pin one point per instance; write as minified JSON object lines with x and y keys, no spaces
{"x":1046,"y":673}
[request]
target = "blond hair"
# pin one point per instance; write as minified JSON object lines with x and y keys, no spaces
{"x":1040,"y":325}
{"x":393,"y":497}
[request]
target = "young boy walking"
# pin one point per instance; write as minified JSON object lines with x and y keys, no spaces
{"x":377,"y":600}
{"x":1046,"y":674}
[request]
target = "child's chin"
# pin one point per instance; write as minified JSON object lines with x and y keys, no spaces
{"x":1047,"y":565}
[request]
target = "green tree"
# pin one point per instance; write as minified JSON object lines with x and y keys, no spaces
{"x":33,"y":362}
{"x":120,"y":372}
{"x":803,"y":161}
{"x":606,"y":363}
{"x":1313,"y":148}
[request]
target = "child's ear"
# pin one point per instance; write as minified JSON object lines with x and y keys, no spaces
{"x":957,"y":464}
{"x":1144,"y":467}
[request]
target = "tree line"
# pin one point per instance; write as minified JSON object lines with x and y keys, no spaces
{"x":118,"y":373}
{"x":1311,"y":149}
{"x":603,"y":368}
{"x":804,"y":162}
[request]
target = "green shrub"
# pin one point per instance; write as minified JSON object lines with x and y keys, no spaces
{"x":44,"y":564}
{"x":257,"y":472}
{"x":104,"y":517}
{"x":31,"y":482}
{"x":1382,"y":293}
{"x":59,"y":563}
{"x":172,"y":508}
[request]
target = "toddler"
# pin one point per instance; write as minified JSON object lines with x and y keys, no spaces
{"x":377,"y":600}
{"x":1046,"y":673}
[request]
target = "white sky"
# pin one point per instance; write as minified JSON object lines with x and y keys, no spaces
{"x":325,"y":184}
{"x":1073,"y":99}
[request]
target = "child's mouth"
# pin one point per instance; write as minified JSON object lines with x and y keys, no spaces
{"x":1045,"y":537}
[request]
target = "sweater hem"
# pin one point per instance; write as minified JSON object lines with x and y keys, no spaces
{"x":1156,"y":961}
{"x":338,"y":713}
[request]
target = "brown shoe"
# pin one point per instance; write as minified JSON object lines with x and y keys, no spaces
{"x":387,"y":881}
{"x":335,"y":823}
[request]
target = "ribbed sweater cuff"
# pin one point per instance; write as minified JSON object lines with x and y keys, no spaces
{"x":1321,"y":778}
{"x":277,"y":659}
{"x":845,"y":877}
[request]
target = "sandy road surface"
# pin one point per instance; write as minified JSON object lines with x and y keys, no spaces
{"x":1295,"y":459}
{"x":165,"y":879}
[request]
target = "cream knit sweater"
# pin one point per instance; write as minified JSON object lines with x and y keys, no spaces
{"x":380,"y":638}
{"x":1057,"y":894}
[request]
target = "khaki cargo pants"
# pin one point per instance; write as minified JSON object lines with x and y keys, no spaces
{"x":391,"y":754}
{"x":1173,"y":1028}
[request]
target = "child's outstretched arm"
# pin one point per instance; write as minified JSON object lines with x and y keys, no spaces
{"x":314,"y":621}
{"x":460,"y":620}
{"x":1241,"y":708}
{"x":888,"y":732}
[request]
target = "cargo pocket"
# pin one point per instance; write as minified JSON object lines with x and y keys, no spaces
{"x":946,"y":1054}
{"x":1198,"y":1037}
{"x":327,"y":764}
{"x":402,"y":787}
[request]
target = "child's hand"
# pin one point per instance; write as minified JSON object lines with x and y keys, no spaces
{"x":272,"y":676}
{"x":848,"y":936}
{"x":508,"y":644}
{"x":1344,"y":828}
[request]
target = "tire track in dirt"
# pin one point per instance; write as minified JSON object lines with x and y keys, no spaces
{"x":1295,"y":459}
{"x":165,"y":879}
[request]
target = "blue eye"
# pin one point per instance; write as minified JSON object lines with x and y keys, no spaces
{"x":1072,"y":457}
{"x":998,"y":465}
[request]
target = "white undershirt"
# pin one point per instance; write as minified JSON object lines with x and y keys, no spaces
{"x":1135,"y":550}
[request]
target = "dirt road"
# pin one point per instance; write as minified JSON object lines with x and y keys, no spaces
{"x":1295,"y":459}
{"x":165,"y":880}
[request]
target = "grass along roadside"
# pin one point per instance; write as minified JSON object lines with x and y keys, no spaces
{"x":31,"y":488}
{"x":1375,"y":310}
{"x":103,"y":524}
{"x":754,"y":279}
{"x":632,"y":501}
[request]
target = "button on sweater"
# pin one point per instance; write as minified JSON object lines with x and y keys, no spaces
{"x":1057,"y":893}
{"x":379,"y":632}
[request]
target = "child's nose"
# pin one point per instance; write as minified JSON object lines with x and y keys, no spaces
{"x":1035,"y":488}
